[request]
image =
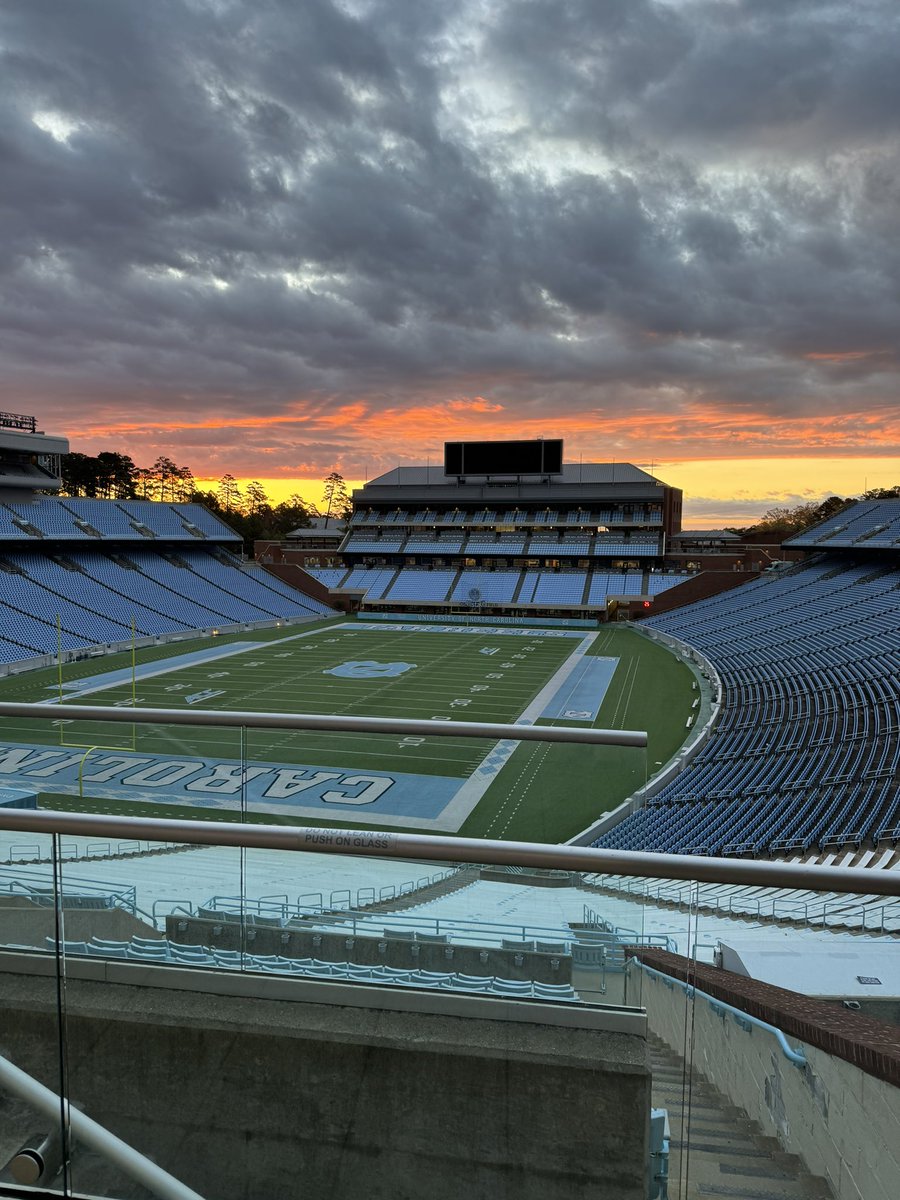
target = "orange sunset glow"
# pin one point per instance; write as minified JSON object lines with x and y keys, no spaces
{"x":732,"y":466}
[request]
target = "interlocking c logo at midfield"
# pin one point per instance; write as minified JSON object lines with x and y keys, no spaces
{"x":369,"y":669}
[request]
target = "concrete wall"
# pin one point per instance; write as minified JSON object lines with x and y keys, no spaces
{"x":710,"y":582}
{"x":293,"y":574}
{"x":296,"y":940}
{"x":843,"y":1122}
{"x":244,"y":1096}
{"x":26,"y":924}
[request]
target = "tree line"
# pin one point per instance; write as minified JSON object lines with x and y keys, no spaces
{"x":249,"y":511}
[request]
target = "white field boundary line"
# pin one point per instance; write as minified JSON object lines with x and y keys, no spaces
{"x":474,"y":788}
{"x":140,"y":676}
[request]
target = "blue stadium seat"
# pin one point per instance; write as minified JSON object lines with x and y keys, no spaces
{"x":807,"y":745}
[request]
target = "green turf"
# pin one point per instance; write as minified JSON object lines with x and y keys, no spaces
{"x":550,"y":793}
{"x":543,"y":793}
{"x":289,"y":677}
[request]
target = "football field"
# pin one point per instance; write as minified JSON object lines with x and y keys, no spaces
{"x":442,"y":673}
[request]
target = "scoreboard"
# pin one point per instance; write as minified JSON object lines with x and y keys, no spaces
{"x":538,"y":457}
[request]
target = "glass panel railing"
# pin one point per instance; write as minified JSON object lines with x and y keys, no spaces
{"x":55,"y":1061}
{"x":383,"y":935}
{"x":463,"y":927}
{"x":775,"y":1008}
{"x":33,"y":1146}
{"x":194,"y":984}
{"x":376,"y":928}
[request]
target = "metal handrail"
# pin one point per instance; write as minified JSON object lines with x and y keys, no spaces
{"x":365,"y":843}
{"x":112,"y":1148}
{"x":229,"y":719}
{"x":741,"y":1017}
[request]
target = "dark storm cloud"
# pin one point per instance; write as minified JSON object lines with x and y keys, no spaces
{"x":263,"y":205}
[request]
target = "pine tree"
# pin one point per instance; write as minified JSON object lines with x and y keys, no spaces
{"x":335,"y":497}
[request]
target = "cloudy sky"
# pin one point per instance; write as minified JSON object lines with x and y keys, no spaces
{"x":280,"y":237}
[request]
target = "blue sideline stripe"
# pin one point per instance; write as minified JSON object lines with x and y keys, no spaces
{"x":580,"y":696}
{"x":196,"y":658}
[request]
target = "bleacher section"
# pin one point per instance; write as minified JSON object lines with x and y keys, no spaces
{"x":511,"y":517}
{"x":807,"y":749}
{"x":250,"y":582}
{"x":373,"y":580}
{"x":489,"y":587}
{"x":503,"y":545}
{"x":49,"y":517}
{"x":868,"y":525}
{"x":97,"y":594}
{"x":164,"y":951}
{"x":421,"y":584}
{"x":560,"y":589}
{"x":635,"y":548}
{"x":330,"y":576}
{"x":494,"y":546}
{"x":384,"y":545}
{"x":629,"y":584}
{"x":444,"y":545}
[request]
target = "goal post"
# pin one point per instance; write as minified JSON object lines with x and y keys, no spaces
{"x":83,"y":738}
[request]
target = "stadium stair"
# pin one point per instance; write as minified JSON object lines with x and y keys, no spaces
{"x":517,"y":592}
{"x":393,"y":579}
{"x":719,"y":1149}
{"x":80,"y":523}
{"x":454,"y":883}
{"x":587,"y":589}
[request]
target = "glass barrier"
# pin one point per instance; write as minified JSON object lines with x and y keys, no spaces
{"x":171,"y":928}
{"x":478,"y":787}
{"x":289,"y":1008}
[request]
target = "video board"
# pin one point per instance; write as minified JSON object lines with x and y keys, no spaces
{"x":538,"y":457}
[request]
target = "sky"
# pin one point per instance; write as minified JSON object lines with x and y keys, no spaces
{"x":279,"y":239}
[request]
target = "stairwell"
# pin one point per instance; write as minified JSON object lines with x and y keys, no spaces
{"x":517,"y":593}
{"x":444,"y":887}
{"x":715,"y":1149}
{"x":453,"y":585}
{"x":385,"y":592}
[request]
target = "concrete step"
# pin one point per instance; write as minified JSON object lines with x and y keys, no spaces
{"x":715,"y":1149}
{"x":432,"y":891}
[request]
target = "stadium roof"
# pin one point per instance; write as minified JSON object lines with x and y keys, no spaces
{"x":719,"y":535}
{"x":319,"y":527}
{"x":571,"y":473}
{"x":848,"y":969}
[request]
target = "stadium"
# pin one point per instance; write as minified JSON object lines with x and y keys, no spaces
{"x":506,"y":655}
